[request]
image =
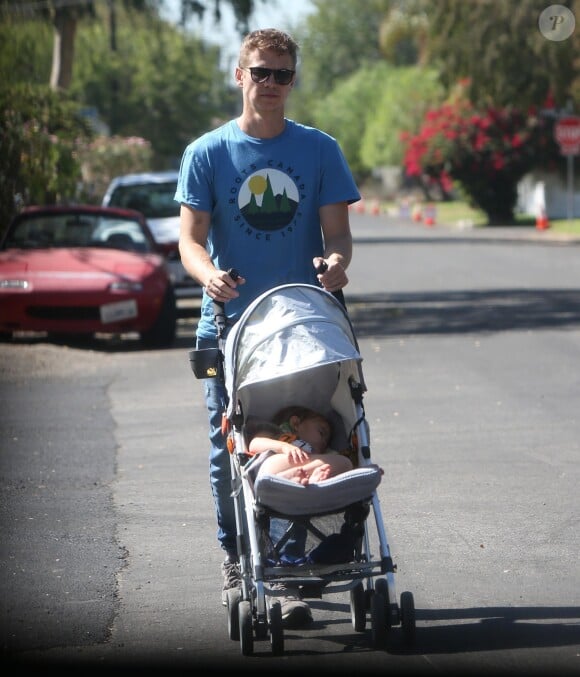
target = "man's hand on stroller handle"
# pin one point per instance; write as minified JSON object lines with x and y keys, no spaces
{"x":221,"y":287}
{"x":331,"y":274}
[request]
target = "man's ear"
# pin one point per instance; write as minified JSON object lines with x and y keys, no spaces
{"x":238,"y":76}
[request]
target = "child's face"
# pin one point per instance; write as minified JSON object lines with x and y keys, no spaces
{"x":315,"y":431}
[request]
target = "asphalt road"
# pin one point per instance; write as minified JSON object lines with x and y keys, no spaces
{"x":471,"y":347}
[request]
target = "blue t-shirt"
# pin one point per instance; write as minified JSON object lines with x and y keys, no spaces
{"x":263,"y":196}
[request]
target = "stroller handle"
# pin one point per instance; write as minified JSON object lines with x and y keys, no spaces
{"x":339,"y":294}
{"x":219,"y":314}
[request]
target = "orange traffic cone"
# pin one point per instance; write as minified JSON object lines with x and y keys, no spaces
{"x":376,"y":208}
{"x":429,"y":219}
{"x":416,"y":214}
{"x":542,"y":222}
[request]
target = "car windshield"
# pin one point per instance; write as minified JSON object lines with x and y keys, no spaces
{"x":38,"y":231}
{"x":155,"y":200}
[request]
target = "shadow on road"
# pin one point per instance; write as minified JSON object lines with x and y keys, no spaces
{"x":456,"y":312}
{"x":402,"y":314}
{"x":496,"y":628}
{"x":451,"y":631}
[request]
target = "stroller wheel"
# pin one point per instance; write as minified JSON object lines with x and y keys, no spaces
{"x":246,"y":629}
{"x":233,"y":596}
{"x":358,"y":609}
{"x":380,"y":614}
{"x":391,"y":610}
{"x":408,"y":618}
{"x":276,"y":629}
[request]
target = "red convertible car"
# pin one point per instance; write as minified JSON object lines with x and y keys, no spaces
{"x":82,"y":270}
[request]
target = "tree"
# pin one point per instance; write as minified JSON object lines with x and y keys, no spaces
{"x":345,"y":110}
{"x":161,"y":83}
{"x":335,"y":41}
{"x":498,"y":46}
{"x":403,"y":34}
{"x":486,"y":151}
{"x":65,"y":16}
{"x":40,"y":131}
{"x":168,"y":85}
{"x":405,"y":96}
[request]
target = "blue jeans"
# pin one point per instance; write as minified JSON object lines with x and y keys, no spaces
{"x":220,"y":473}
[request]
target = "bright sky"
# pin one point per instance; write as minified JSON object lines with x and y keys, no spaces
{"x":271,"y":14}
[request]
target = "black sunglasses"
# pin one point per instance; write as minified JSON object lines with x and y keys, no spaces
{"x":282,"y":76}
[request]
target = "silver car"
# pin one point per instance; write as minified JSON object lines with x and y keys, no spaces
{"x":152,"y":193}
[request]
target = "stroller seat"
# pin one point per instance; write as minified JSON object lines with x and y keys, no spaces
{"x":291,"y":498}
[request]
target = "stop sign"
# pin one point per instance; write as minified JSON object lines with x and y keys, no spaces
{"x":567,"y":134}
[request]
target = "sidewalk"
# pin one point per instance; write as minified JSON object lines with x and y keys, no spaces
{"x":515,"y":233}
{"x":371,"y":225}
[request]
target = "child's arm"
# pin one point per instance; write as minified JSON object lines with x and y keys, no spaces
{"x":260,"y":444}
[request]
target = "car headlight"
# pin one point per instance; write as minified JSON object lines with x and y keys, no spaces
{"x":126,"y":285}
{"x":14,"y":284}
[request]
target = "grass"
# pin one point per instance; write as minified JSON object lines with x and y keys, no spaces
{"x":457,"y":213}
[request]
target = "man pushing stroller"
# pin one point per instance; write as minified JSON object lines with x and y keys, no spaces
{"x":269,"y":197}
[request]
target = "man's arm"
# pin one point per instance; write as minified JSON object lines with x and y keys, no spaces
{"x":194,"y":229}
{"x":335,"y":225}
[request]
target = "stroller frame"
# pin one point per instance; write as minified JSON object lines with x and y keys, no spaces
{"x":253,"y":366}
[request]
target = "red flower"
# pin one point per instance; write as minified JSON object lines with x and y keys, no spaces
{"x":487,"y":151}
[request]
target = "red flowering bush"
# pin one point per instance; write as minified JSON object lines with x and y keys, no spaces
{"x":486,"y":152}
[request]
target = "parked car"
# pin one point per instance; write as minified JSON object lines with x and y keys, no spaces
{"x":84,"y":269}
{"x":152,"y":194}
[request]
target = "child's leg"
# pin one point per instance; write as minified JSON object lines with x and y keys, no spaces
{"x":323,"y":466}
{"x":320,"y":473}
{"x":296,"y":474}
{"x":275,"y":464}
{"x":319,"y":467}
{"x":313,"y":471}
{"x":336,"y":462}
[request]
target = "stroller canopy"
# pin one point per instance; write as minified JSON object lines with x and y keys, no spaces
{"x":285,"y":333}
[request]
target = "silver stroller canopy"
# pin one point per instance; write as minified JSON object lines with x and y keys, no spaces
{"x":289,"y":330}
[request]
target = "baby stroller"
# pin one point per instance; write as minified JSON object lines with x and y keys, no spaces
{"x":295,"y":344}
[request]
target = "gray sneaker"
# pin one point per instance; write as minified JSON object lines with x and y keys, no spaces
{"x":296,"y":613}
{"x":232,"y":577}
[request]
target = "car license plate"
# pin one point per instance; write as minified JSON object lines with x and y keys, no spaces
{"x":120,"y":310}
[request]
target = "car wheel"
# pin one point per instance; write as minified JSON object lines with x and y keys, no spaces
{"x":162,"y":332}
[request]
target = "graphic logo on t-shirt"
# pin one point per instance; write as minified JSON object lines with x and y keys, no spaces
{"x":268,"y":199}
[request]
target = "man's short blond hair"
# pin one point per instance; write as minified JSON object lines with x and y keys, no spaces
{"x":268,"y":39}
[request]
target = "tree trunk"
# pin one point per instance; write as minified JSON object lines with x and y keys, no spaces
{"x":65,"y":28}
